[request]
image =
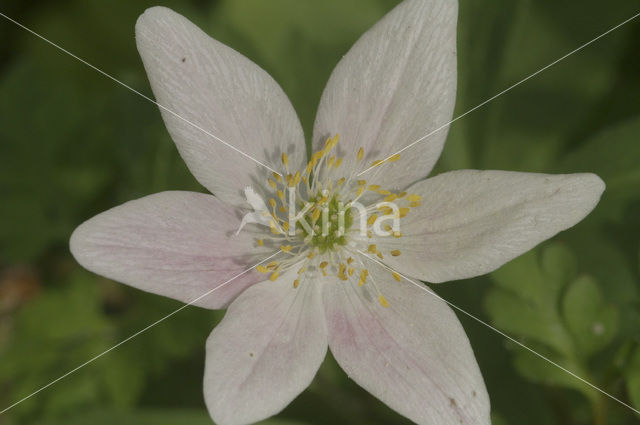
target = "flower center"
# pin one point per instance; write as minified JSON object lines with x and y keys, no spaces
{"x":330,"y":226}
{"x":312,"y":217}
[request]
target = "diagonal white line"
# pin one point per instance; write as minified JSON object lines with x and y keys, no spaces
{"x":442,"y":127}
{"x":109,"y":76}
{"x":91,"y":360}
{"x":531,"y":350}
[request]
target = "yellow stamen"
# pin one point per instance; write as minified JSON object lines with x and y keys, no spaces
{"x":260,"y":242}
{"x":296,"y":283}
{"x":372,"y":249}
{"x":396,"y":276}
{"x":262,"y":269}
{"x":383,"y":301}
{"x":315,"y":215}
{"x":328,"y":144}
{"x":274,"y":276}
{"x":372,"y":220}
{"x":395,"y":252}
{"x":414,"y":198}
{"x":274,"y":228}
{"x":360,"y":154}
{"x":285,"y":248}
{"x":285,"y":159}
{"x":363,"y":277}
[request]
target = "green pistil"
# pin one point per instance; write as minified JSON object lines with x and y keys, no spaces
{"x":331,"y":240}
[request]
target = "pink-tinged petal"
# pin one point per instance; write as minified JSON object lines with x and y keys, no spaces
{"x":413,"y":355}
{"x":265,"y":352}
{"x":472,"y":222}
{"x":214,"y":87}
{"x":395,"y":85}
{"x":177,"y":244}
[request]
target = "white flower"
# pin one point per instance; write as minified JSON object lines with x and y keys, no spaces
{"x":405,"y":347}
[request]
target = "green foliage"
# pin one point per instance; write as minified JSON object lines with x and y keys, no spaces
{"x":542,"y":300}
{"x":592,"y":323}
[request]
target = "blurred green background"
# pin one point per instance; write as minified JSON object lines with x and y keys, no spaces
{"x":73,"y":143}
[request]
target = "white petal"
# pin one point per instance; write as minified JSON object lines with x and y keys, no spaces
{"x":413,"y":355}
{"x":472,"y":222}
{"x":221,"y":91}
{"x":176,"y":244}
{"x":265,"y":352}
{"x":395,"y":85}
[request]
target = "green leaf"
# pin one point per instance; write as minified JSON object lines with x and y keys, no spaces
{"x":537,"y":280}
{"x":592,"y":323}
{"x":538,"y":299}
{"x":517,"y":316}
{"x":541,"y":371}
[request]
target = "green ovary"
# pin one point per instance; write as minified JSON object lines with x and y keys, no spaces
{"x":333,"y":238}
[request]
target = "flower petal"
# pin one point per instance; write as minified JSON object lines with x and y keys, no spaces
{"x":176,"y":244}
{"x":225,"y":94}
{"x":413,"y":355}
{"x":395,"y":85}
{"x":472,"y":222}
{"x":265,"y":352}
